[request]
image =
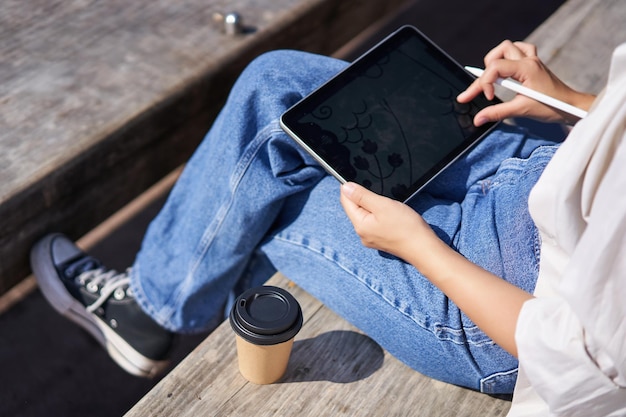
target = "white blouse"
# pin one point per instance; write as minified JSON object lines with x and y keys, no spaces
{"x":571,"y":338}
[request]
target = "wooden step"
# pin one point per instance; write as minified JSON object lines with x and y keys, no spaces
{"x":100,"y":100}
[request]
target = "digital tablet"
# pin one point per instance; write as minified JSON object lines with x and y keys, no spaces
{"x":390,"y":121}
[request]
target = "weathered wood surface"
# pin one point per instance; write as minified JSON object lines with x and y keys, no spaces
{"x":100,"y":99}
{"x":334,"y":370}
{"x":577,"y":41}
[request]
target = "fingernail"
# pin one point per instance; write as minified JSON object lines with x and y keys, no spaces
{"x":347,"y":188}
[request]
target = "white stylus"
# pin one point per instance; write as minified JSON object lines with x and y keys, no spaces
{"x":513,"y":85}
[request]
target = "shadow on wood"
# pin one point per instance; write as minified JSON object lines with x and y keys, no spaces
{"x":340,"y":356}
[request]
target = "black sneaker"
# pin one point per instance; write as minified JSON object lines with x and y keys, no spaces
{"x":100,"y":301}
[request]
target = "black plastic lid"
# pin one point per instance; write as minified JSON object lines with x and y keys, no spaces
{"x":266,"y":315}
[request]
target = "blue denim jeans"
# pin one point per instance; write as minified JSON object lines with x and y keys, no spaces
{"x":250,"y":201}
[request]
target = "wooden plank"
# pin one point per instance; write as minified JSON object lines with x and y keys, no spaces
{"x":101,"y":99}
{"x":334,"y":369}
{"x":209,"y":375}
{"x":577,"y":41}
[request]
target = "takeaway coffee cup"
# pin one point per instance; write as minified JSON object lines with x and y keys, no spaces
{"x":265,"y":321}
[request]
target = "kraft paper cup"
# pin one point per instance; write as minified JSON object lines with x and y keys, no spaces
{"x":265,"y":321}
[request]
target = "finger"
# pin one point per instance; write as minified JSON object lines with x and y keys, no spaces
{"x":505,"y":50}
{"x":505,"y":68}
{"x":501,"y":68}
{"x":517,"y":107}
{"x":361,"y":196}
{"x":475,"y":89}
{"x":353,"y":210}
{"x":528,"y":49}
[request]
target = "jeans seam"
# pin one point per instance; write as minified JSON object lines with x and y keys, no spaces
{"x":235,"y":180}
{"x":247,"y":157}
{"x":436,"y":329}
{"x":349,"y":271}
{"x":484,"y":341}
{"x":486,"y":380}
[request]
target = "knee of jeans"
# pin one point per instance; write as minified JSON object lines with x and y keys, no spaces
{"x":270,"y":84}
{"x":296,"y":71}
{"x":272,"y":60}
{"x":277,"y":64}
{"x":280,"y":59}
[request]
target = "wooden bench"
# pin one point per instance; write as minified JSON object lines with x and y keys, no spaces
{"x":334,"y":368}
{"x":100,"y":100}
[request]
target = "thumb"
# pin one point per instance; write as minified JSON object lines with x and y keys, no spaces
{"x":350,"y":199}
{"x":498,"y":112}
{"x":360,"y":196}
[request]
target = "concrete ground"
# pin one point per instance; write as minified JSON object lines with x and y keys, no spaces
{"x":49,"y":367}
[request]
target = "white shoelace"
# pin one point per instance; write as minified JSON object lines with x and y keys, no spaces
{"x":105,"y":282}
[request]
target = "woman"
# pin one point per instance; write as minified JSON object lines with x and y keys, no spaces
{"x":571,"y":338}
{"x":465,"y":251}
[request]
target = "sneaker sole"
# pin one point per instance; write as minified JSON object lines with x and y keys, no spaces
{"x":62,"y":301}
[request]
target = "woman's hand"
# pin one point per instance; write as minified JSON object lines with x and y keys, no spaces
{"x":386,"y":224}
{"x":518,"y":60}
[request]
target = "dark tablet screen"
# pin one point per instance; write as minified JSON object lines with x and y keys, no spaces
{"x":390,"y":121}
